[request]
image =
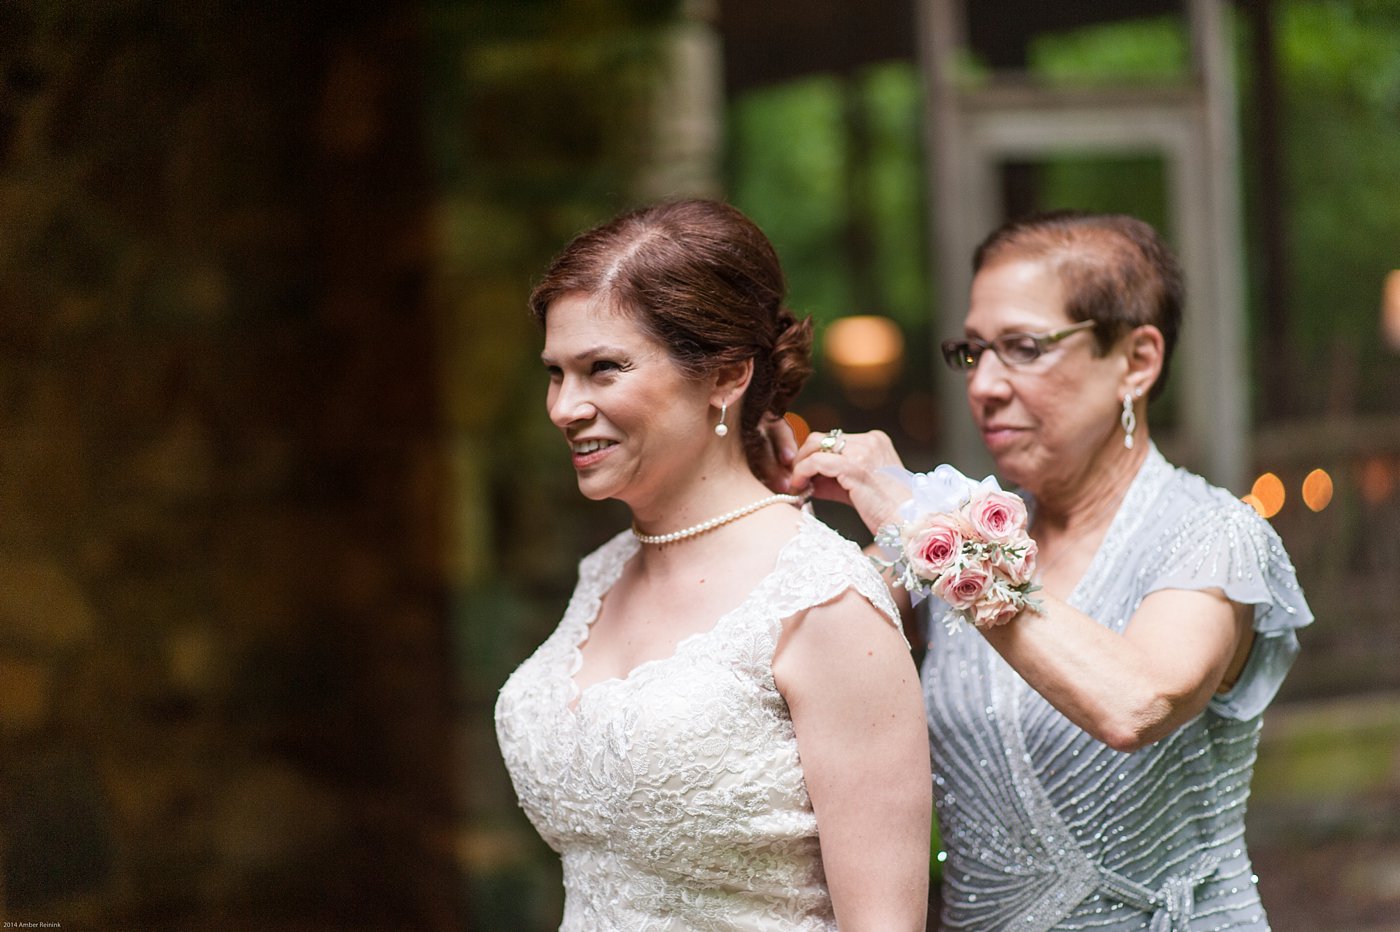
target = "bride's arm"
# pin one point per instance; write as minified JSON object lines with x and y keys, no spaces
{"x":857,"y":710}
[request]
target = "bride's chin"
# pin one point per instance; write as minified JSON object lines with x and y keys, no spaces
{"x":594,"y":491}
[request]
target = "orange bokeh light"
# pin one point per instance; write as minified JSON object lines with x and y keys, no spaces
{"x":1317,"y":490}
{"x":1254,"y":503}
{"x":1390,"y":310}
{"x":1376,"y":479}
{"x":1268,"y":492}
{"x":800,"y":430}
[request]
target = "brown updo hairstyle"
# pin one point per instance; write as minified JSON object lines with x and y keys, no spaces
{"x":702,"y":280}
{"x":1116,"y":271}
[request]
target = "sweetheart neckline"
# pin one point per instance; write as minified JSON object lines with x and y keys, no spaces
{"x":577,"y":641}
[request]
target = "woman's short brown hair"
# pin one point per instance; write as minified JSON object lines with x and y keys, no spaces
{"x":703,"y":280}
{"x":1116,"y":271}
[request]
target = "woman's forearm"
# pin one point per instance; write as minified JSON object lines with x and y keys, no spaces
{"x":1127,"y":690}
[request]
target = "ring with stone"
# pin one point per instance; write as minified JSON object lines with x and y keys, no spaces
{"x":833,"y":442}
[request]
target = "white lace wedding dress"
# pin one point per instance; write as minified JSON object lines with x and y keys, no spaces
{"x":675,"y":796}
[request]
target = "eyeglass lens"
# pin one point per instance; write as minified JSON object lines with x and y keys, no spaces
{"x":1013,"y":349}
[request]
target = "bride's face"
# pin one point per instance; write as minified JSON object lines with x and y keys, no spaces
{"x":634,"y":421}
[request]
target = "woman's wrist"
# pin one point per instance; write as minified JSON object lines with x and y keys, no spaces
{"x":890,"y":511}
{"x":965,"y":543}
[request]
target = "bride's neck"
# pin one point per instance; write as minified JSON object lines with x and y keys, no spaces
{"x":704,"y":496}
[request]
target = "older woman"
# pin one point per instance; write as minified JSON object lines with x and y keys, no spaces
{"x":1092,"y":759}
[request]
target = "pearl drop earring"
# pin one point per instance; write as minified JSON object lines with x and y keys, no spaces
{"x":721,"y":429}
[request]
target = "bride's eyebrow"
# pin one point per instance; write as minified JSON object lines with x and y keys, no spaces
{"x":593,"y":352}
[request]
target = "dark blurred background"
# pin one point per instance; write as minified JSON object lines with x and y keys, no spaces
{"x":279,"y":505}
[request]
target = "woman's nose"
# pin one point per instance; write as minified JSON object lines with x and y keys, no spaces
{"x":990,"y":378}
{"x":568,"y":404}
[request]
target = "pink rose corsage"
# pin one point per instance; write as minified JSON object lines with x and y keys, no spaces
{"x":966,"y":543}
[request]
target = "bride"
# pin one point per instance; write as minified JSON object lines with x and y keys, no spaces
{"x":726,"y":729}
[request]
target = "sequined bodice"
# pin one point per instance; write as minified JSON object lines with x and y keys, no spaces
{"x":1045,"y":827}
{"x":675,"y":796}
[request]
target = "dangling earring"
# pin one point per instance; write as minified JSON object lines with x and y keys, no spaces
{"x":720,"y":428}
{"x":1128,"y":419}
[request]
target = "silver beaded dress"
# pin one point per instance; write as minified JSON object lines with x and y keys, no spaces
{"x":1047,"y":828}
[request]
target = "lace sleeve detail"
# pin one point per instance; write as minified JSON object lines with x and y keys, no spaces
{"x":597,"y":572}
{"x":1227,"y":546}
{"x":821,"y":566}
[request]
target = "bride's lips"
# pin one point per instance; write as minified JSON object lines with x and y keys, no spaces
{"x":586,"y":453}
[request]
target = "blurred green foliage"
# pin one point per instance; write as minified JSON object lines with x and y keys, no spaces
{"x":1340,"y":64}
{"x":786,"y":172}
{"x":1156,"y":50}
{"x":789,"y":160}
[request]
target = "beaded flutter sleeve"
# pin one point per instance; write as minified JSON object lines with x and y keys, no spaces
{"x":1227,"y":546}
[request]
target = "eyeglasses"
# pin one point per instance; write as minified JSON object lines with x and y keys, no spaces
{"x":1013,"y":349}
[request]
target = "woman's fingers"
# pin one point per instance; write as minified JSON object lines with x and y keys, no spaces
{"x":784,"y":440}
{"x":835,"y":452}
{"x":853,"y":475}
{"x":815,"y":464}
{"x":817,"y":473}
{"x":777,"y":454}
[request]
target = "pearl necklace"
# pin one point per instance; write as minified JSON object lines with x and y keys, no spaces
{"x":713,"y":523}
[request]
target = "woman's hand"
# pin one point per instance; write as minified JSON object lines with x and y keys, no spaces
{"x":846,"y":468}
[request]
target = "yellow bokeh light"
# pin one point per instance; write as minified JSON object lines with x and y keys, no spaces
{"x":1317,"y":490}
{"x":865,"y":351}
{"x":864,"y":340}
{"x":1268,"y":491}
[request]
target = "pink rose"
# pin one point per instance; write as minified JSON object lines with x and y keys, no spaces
{"x":963,"y":588}
{"x":934,"y":547}
{"x":1018,"y":566}
{"x":997,"y":607}
{"x":997,"y":516}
